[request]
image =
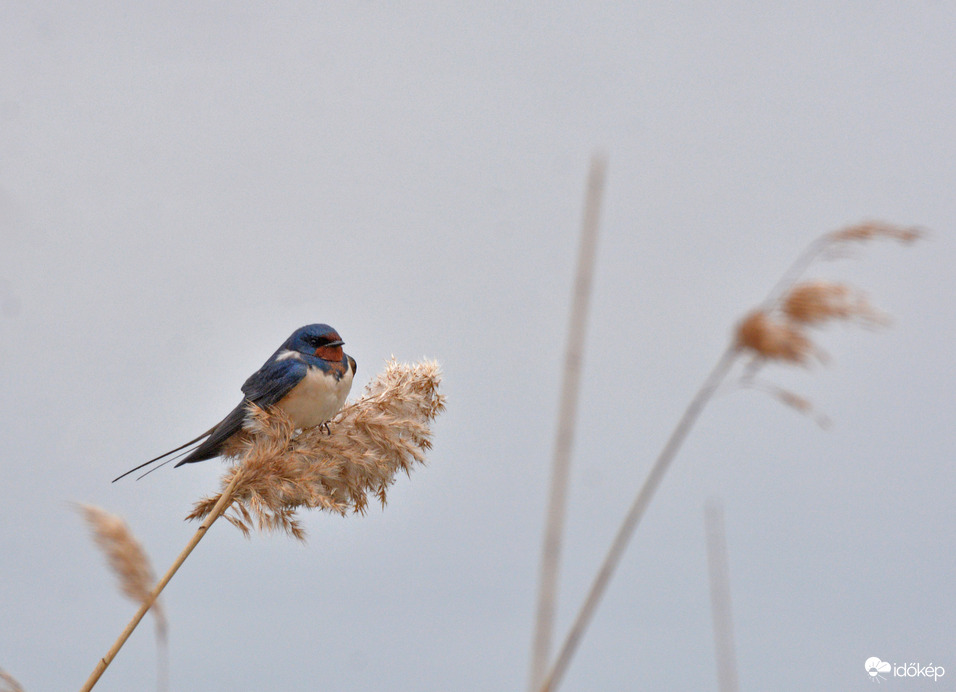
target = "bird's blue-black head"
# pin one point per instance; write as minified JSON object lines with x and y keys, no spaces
{"x":317,"y":340}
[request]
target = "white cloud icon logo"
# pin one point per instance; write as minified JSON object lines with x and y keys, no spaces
{"x":875,"y":666}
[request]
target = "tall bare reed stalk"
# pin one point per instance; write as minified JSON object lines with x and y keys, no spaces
{"x":718,"y":574}
{"x":776,"y":332}
{"x":132,"y":567}
{"x":9,"y":683}
{"x":276,"y":472}
{"x":567,"y":414}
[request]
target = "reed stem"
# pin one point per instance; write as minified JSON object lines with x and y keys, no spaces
{"x":634,"y":515}
{"x":224,"y":500}
{"x":567,"y":415}
{"x":718,"y":574}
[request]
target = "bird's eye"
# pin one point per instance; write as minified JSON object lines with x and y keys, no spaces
{"x":316,"y":341}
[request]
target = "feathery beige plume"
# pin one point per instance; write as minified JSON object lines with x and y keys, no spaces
{"x":815,"y":302}
{"x":871,"y":230}
{"x":774,"y":339}
{"x":126,"y":556}
{"x":9,"y":683}
{"x":779,"y":333}
{"x":129,"y":562}
{"x":778,"y":330}
{"x":336,"y":468}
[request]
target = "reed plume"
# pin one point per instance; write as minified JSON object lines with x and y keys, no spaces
{"x":780,"y":332}
{"x":774,"y":339}
{"x":874,"y":230}
{"x":819,"y":301}
{"x":335,"y":468}
{"x":125,"y":555}
{"x":132,"y":568}
{"x":780,"y":329}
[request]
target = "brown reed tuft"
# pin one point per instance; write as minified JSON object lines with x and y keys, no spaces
{"x":773,"y":339}
{"x":778,"y":333}
{"x":871,"y":230}
{"x":125,"y":555}
{"x":385,"y":431}
{"x":776,"y":330}
{"x":9,"y":683}
{"x":131,"y":565}
{"x":815,"y":302}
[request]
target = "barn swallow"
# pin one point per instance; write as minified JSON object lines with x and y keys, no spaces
{"x":308,"y":377}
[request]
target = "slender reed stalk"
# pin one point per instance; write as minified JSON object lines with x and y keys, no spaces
{"x":10,"y":683}
{"x":567,"y":414}
{"x":633,"y":518}
{"x":221,"y":506}
{"x":720,"y":604}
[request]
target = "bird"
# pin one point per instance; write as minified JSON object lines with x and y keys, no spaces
{"x":308,"y":378}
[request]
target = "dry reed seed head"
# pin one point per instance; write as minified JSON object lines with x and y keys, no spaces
{"x":385,"y":431}
{"x":773,"y":339}
{"x":125,"y":555}
{"x":777,"y":332}
{"x":870,"y":230}
{"x":815,"y":302}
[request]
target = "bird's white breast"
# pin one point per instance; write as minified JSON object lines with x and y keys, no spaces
{"x":317,"y":398}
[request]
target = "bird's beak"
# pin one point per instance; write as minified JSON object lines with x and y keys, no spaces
{"x":336,"y":343}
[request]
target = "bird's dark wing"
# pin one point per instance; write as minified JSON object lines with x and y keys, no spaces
{"x":212,"y":445}
{"x":267,"y":385}
{"x":264,"y":388}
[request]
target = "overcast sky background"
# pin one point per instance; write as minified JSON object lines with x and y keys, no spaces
{"x":184,"y":184}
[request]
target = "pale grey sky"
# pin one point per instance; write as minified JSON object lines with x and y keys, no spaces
{"x":183,"y":184}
